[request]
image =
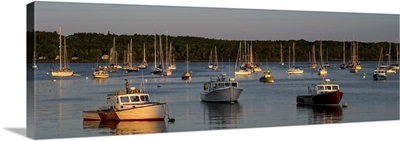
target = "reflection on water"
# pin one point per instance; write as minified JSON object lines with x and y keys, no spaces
{"x":127,"y":127}
{"x":322,"y":114}
{"x":221,"y":115}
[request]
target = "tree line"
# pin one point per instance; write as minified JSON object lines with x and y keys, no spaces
{"x":89,"y":47}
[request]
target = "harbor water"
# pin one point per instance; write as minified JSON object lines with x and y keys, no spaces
{"x":59,"y":102}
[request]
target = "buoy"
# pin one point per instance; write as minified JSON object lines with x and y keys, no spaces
{"x":87,"y":77}
{"x":171,"y":120}
{"x":345,"y":105}
{"x":54,"y":80}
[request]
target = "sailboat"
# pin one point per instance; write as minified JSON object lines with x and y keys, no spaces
{"x":380,"y":72}
{"x":215,"y":63}
{"x":157,"y":68}
{"x":389,"y":61}
{"x":343,"y":65}
{"x":313,"y":62}
{"x":144,"y":63}
{"x":63,"y":70}
{"x":281,"y":63}
{"x":34,"y":60}
{"x":100,"y":72}
{"x":130,"y":67}
{"x":186,"y":75}
{"x":353,"y":63}
{"x":113,"y":58}
{"x":293,"y":69}
{"x":327,"y":65}
{"x":322,"y":69}
{"x":396,"y":66}
{"x":171,"y":61}
{"x":241,"y":70}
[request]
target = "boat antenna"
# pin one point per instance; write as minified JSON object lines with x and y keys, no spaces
{"x":126,"y":85}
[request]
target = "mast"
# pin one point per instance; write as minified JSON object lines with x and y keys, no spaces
{"x":65,"y":54}
{"x":161,"y":55}
{"x":314,"y":61}
{"x":251,"y":53}
{"x":144,"y":53}
{"x":289,"y":56}
{"x":281,"y":55}
{"x":155,"y":50}
{"x":320,"y":51}
{"x":397,"y":50}
{"x":216,"y":56}
{"x":166,"y":49}
{"x":60,"y":47}
{"x":344,"y":52}
{"x":187,"y":59}
{"x":293,"y":55}
{"x":390,"y":44}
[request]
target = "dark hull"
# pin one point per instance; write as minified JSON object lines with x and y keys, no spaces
{"x":332,"y":98}
{"x":379,"y":77}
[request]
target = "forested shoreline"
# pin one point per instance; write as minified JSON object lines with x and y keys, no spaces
{"x":89,"y":47}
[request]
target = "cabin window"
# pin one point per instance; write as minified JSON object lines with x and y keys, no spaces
{"x":214,"y":85}
{"x":234,"y":84}
{"x":320,"y":87}
{"x":328,"y":88}
{"x":227,"y":84}
{"x":135,"y":98}
{"x":335,"y":87}
{"x":221,"y":84}
{"x":144,"y":98}
{"x":124,"y":99}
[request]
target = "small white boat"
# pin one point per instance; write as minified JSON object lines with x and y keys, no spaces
{"x":242,"y":72}
{"x":379,"y":74}
{"x":391,"y":71}
{"x":221,"y":90}
{"x":268,"y":78}
{"x":129,"y":105}
{"x":100,"y":73}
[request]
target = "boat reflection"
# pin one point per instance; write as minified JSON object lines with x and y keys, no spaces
{"x":321,"y":114}
{"x":127,"y":127}
{"x":221,"y":115}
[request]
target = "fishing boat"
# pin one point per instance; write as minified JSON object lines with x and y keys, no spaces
{"x":186,"y":75}
{"x":100,"y":72}
{"x":129,"y":105}
{"x":343,"y":65}
{"x":379,"y":74}
{"x":144,"y":62}
{"x":221,"y":90}
{"x":293,"y":69}
{"x":324,"y":94}
{"x":63,"y":70}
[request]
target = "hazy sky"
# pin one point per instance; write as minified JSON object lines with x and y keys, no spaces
{"x":215,"y":22}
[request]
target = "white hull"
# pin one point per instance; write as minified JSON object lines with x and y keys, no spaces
{"x":61,"y":73}
{"x":294,"y":71}
{"x":101,"y":76}
{"x":257,"y":69}
{"x":222,"y":95}
{"x":151,"y":112}
{"x":167,"y":73}
{"x":391,"y":71}
{"x":172,"y":67}
{"x":322,"y":72}
{"x":242,"y":72}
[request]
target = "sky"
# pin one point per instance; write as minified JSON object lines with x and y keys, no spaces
{"x":218,"y":23}
{"x":13,"y":39}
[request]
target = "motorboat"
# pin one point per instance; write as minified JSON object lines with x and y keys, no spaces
{"x":326,"y":94}
{"x":221,"y":90}
{"x":129,"y":105}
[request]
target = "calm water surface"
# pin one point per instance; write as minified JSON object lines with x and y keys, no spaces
{"x":60,"y":101}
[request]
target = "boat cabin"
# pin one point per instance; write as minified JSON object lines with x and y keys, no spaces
{"x":133,"y":99}
{"x":220,"y":83}
{"x":380,"y":71}
{"x":323,"y":88}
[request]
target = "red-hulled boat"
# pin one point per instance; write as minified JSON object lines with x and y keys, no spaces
{"x":327,"y":94}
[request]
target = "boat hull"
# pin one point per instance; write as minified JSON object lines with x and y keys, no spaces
{"x":61,"y":73}
{"x":242,"y":72}
{"x":268,"y":79}
{"x":327,"y":99}
{"x":379,"y":77}
{"x":230,"y":94}
{"x":145,"y":113}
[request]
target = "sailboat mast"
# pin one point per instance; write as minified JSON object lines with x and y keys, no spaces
{"x":293,"y":55}
{"x":187,"y":59}
{"x":344,"y":52}
{"x":313,"y":52}
{"x":216,"y":55}
{"x":166,"y":49}
{"x":320,"y":51}
{"x":144,"y":53}
{"x":155,"y":50}
{"x":161,"y":55}
{"x":60,"y":47}
{"x":281,"y":55}
{"x":65,"y":54}
{"x":289,"y":55}
{"x":397,"y":50}
{"x":390,"y":44}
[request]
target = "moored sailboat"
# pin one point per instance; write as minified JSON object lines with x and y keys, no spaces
{"x":186,"y":75}
{"x":293,"y":69}
{"x":63,"y":70}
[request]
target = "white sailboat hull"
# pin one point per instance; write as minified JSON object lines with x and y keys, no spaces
{"x":61,"y":73}
{"x":242,"y":72}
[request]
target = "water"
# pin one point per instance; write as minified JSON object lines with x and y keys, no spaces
{"x":60,"y":101}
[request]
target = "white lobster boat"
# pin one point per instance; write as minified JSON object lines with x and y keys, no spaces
{"x":129,"y":105}
{"x":221,"y":90}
